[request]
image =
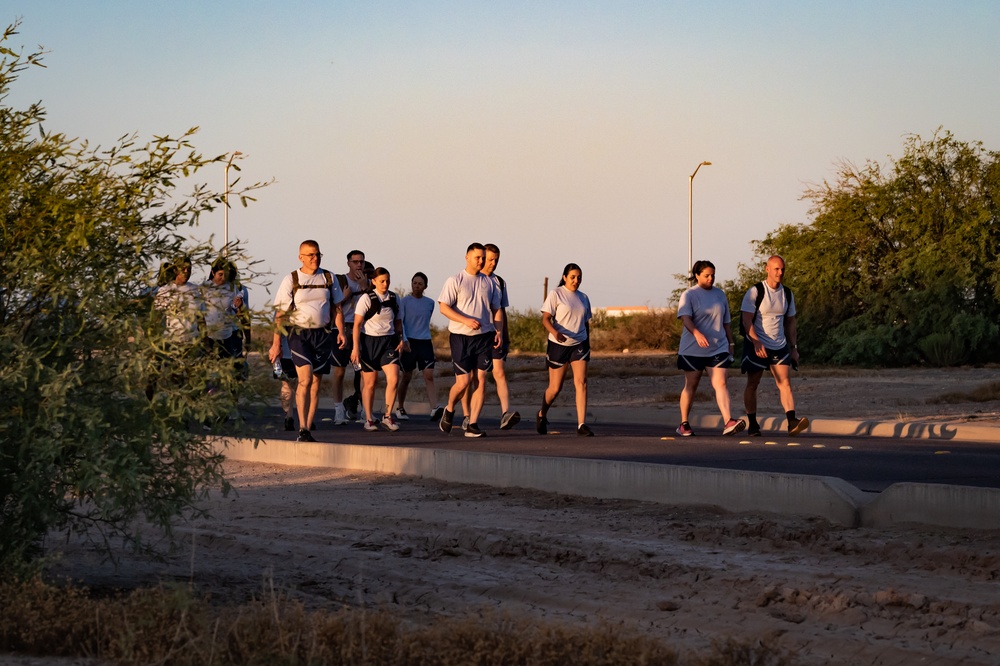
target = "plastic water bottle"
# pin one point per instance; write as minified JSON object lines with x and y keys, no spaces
{"x":277,"y":372}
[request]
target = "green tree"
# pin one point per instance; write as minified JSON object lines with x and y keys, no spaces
{"x":899,"y":264}
{"x":82,"y":232}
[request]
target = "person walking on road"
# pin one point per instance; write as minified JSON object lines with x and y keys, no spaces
{"x":377,"y":317}
{"x":768,"y":327}
{"x":416,"y":311}
{"x":566,"y":315}
{"x":471,"y":303}
{"x":706,"y":346}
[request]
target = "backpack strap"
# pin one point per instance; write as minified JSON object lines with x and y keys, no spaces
{"x":376,"y":304}
{"x":327,"y":278}
{"x":760,"y":299}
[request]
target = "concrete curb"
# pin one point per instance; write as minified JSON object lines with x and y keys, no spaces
{"x":732,"y":490}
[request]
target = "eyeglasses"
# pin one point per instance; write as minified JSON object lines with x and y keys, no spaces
{"x":310,"y":256}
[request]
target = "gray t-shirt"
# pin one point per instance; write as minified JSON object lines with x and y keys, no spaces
{"x":475,"y":296}
{"x":770,"y":321}
{"x":570,"y":312}
{"x":709,"y":309}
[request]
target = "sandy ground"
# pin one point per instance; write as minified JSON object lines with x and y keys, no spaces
{"x":827,"y":594}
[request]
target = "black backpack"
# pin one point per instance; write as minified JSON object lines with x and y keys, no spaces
{"x":760,"y":299}
{"x":377,"y":304}
{"x":328,"y":278}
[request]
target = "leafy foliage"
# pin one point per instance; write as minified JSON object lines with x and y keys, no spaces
{"x":900,"y":264}
{"x":82,"y":231}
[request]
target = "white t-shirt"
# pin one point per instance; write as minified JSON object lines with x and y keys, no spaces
{"x":570,"y":312}
{"x":770,"y":321}
{"x":416,"y":314}
{"x":475,"y":296}
{"x":709,"y":309}
{"x":382,"y":323}
{"x":350,"y":305}
{"x":220,"y":315}
{"x":312,"y":303}
{"x":183,"y":307}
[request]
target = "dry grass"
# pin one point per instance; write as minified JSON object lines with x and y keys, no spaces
{"x":171,"y":626}
{"x":982,"y":393}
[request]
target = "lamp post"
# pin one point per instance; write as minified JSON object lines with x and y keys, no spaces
{"x":691,"y":212}
{"x":225,"y":201}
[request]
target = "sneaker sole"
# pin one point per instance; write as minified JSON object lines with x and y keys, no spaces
{"x":473,"y":434}
{"x":740,"y":425}
{"x":800,"y":426}
{"x":511,"y":422}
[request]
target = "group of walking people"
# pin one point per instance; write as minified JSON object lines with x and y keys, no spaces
{"x":326,"y":321}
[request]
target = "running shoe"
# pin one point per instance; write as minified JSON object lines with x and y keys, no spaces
{"x":389,"y":423}
{"x":445,"y":423}
{"x":370,"y":426}
{"x":401,"y":415}
{"x":509,"y":420}
{"x":304,"y":436}
{"x":474,"y":431}
{"x":584,"y":431}
{"x":798,"y":425}
{"x":289,"y":424}
{"x":541,"y":424}
{"x":352,"y":405}
{"x":684,"y":430}
{"x":465,"y":424}
{"x":733,"y":426}
{"x":339,"y":414}
{"x":754,"y":431}
{"x":436,"y":413}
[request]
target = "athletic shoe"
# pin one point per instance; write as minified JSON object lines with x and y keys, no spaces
{"x":509,"y":420}
{"x":541,"y":424}
{"x":389,"y":423}
{"x":370,"y":426}
{"x":304,"y":436}
{"x":733,"y":426}
{"x":289,"y":424}
{"x":402,"y":415}
{"x":465,"y":424}
{"x":445,"y":423}
{"x":436,"y":413}
{"x":798,"y":425}
{"x":474,"y":431}
{"x":339,"y":414}
{"x":754,"y":431}
{"x":352,"y":405}
{"x":584,"y":431}
{"x":684,"y":430}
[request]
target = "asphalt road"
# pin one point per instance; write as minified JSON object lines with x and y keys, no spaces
{"x":870,"y":463}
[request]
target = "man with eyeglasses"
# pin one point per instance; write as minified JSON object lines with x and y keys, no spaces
{"x":352,"y":284}
{"x":306,"y":305}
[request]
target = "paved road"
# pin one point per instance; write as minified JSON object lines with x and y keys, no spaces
{"x":870,"y":463}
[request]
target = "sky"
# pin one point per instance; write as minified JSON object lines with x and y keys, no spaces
{"x":561,"y":131}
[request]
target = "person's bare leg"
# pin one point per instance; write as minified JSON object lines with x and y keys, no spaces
{"x":478,"y":396}
{"x":580,"y":383}
{"x":391,"y":383}
{"x":303,"y":391}
{"x":500,"y":377}
{"x":691,"y":380}
{"x":338,"y":383}
{"x":368,"y":381}
{"x":719,"y":377}
{"x":782,"y":379}
{"x":750,"y":392}
{"x":431,"y":388}
{"x":556,"y":377}
{"x":457,"y":391}
{"x":404,"y":385}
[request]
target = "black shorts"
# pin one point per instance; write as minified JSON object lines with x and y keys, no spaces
{"x":472,"y":352}
{"x":699,"y":363}
{"x":557,"y":355}
{"x":342,"y":357}
{"x":378,"y":351}
{"x":752,"y":363}
{"x":500,"y":353}
{"x":231,"y":347}
{"x":312,"y":347}
{"x":420,"y":356}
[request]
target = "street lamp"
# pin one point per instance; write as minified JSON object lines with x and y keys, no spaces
{"x":225,"y":201}
{"x":691,"y":211}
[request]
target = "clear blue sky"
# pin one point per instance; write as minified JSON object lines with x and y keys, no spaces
{"x":562,"y":131}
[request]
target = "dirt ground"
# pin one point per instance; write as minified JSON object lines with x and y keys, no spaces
{"x":827,"y":594}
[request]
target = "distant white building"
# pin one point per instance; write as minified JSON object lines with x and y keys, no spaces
{"x":628,"y":310}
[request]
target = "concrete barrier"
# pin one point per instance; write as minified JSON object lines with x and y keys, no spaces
{"x":964,"y":507}
{"x":731,"y":490}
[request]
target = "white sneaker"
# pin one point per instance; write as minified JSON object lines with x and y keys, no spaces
{"x":401,"y":415}
{"x":371,"y":426}
{"x":389,"y":423}
{"x":339,"y":415}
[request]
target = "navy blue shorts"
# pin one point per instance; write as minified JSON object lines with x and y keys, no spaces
{"x":752,"y":363}
{"x":699,"y":363}
{"x":420,"y":356}
{"x":312,"y":347}
{"x":472,"y":352}
{"x":342,"y":357}
{"x":557,"y":355}
{"x":378,"y":351}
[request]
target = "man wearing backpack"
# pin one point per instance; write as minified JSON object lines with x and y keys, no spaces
{"x":307,"y":305}
{"x":769,"y":341}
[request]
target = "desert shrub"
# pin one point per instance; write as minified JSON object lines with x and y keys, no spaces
{"x":659,"y":331}
{"x":526,"y":331}
{"x":984,"y":393}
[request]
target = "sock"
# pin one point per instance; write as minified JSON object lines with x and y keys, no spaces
{"x":790,"y":415}
{"x":753,"y":420}
{"x":545,"y":408}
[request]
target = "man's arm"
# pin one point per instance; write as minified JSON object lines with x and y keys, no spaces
{"x":456,"y":316}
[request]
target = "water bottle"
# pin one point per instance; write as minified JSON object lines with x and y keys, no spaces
{"x":277,"y":372}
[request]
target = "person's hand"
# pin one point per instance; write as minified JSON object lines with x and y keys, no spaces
{"x":341,"y":340}
{"x":758,"y":348}
{"x":795,"y":355}
{"x":560,"y":338}
{"x":700,"y":338}
{"x":274,"y":352}
{"x":473,"y":324}
{"x":498,"y":340}
{"x":355,"y":357}
{"x":404,"y":346}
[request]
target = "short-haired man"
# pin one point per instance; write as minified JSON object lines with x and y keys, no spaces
{"x":353,"y":283}
{"x":508,"y":418}
{"x":471,"y":302}
{"x":768,"y":314}
{"x":306,"y":304}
